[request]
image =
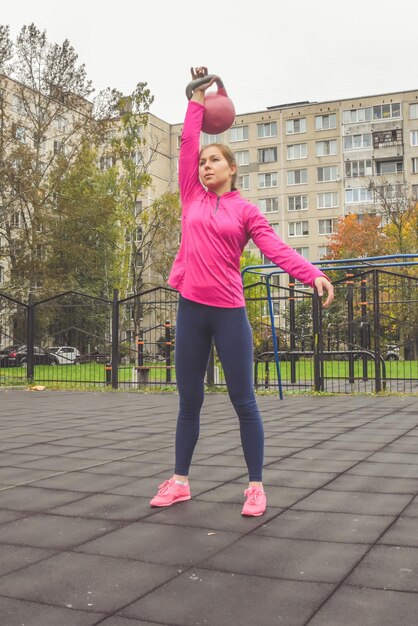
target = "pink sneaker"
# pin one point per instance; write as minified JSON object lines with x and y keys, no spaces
{"x":255,"y":503}
{"x":171,"y":492}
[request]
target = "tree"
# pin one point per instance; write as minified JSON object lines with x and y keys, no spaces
{"x":399,"y":213}
{"x":356,"y":237}
{"x":82,"y":231}
{"x":41,"y":132}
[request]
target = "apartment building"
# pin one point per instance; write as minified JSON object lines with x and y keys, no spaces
{"x":306,"y":164}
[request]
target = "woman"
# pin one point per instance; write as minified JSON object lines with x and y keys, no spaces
{"x":216,"y":225}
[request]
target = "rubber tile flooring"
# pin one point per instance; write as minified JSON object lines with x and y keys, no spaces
{"x":80,"y":545}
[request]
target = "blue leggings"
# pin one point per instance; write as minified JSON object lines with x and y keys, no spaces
{"x":196,"y":325}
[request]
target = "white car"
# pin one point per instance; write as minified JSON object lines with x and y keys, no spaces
{"x":66,"y":355}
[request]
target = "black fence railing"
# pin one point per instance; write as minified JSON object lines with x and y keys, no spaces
{"x":366,"y":342}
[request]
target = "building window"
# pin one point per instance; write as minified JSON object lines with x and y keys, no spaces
{"x":1,"y":274}
{"x":356,"y":116}
{"x":354,"y":169}
{"x":18,"y":105}
{"x":386,"y":111}
{"x":138,"y":207}
{"x":297,"y":203}
{"x":326,"y":148}
{"x":269,"y":205}
{"x":414,"y":191}
{"x":60,"y":124}
{"x":208,"y":139}
{"x":414,"y":137}
{"x":303,"y":251}
{"x":15,"y":219}
{"x":269,"y":129}
{"x":326,"y":174}
{"x":297,"y":151}
{"x":413,"y":111}
{"x":138,"y":234}
{"x":19,"y":133}
{"x":389,"y":167}
{"x":294,"y":127}
{"x":267,"y":180}
{"x":322,"y":252}
{"x":106,"y":162}
{"x":244,"y":182}
{"x":238,"y":133}
{"x":326,"y":227}
{"x":387,"y":138}
{"x":358,"y":195}
{"x":242,"y":157}
{"x":59,"y":147}
{"x":298,"y":229}
{"x":297,"y":177}
{"x":178,"y":142}
{"x":267,"y":155}
{"x":415,"y":165}
{"x":275,"y":227}
{"x":327,"y":200}
{"x":325,"y":122}
{"x":356,"y":142}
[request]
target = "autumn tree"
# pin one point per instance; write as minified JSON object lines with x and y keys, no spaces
{"x":356,"y":237}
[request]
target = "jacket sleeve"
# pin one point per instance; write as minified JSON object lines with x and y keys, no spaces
{"x":279,"y":253}
{"x":189,"y":151}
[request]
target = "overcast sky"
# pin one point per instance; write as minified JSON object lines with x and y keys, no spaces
{"x":265,"y":53}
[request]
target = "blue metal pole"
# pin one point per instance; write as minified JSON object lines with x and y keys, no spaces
{"x":273,"y":333}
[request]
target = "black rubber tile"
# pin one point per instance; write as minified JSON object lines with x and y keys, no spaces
{"x":83,"y":481}
{"x":48,"y":449}
{"x":125,"y":621}
{"x":155,"y":543}
{"x":133,"y":468}
{"x":18,"y":475}
{"x":354,"y":502}
{"x":30,"y":498}
{"x":17,"y":459}
{"x":101,"y":454}
{"x":350,"y":445}
{"x":290,"y":478}
{"x":314,"y":465}
{"x":10,"y":516}
{"x":322,"y":526}
{"x":210,"y":515}
{"x":404,"y":532}
{"x":317,"y":561}
{"x":218,"y":598}
{"x":395,"y":470}
{"x":148,"y":487}
{"x":412,"y":509}
{"x":281,"y":497}
{"x":388,"y":567}
{"x":53,"y":531}
{"x":14,"y":557}
{"x":332,"y":455}
{"x":21,"y":613}
{"x":374,"y":484}
{"x":393,"y":457}
{"x":57,"y":463}
{"x":352,"y":606}
{"x":107,"y":507}
{"x":85,"y":582}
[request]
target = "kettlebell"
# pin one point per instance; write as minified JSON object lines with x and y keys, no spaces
{"x":219,"y":112}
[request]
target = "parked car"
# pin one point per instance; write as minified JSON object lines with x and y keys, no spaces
{"x":391,"y":353}
{"x":66,"y":355}
{"x":92,"y":357}
{"x":17,"y":356}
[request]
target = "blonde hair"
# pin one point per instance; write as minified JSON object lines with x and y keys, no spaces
{"x":229,"y":156}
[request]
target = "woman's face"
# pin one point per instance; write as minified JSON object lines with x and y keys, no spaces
{"x":214,"y":170}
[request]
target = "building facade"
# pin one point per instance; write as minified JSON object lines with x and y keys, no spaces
{"x":309,"y":163}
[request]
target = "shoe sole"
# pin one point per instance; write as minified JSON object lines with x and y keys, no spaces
{"x":253,"y":514}
{"x":159,"y":506}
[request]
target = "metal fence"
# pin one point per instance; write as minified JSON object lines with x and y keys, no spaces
{"x":366,"y":342}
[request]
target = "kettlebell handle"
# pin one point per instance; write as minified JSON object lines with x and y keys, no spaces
{"x":201,"y":81}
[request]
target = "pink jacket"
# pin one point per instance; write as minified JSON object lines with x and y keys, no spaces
{"x":215,"y":231}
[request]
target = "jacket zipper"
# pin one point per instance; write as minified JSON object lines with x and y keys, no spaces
{"x":218,"y":199}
